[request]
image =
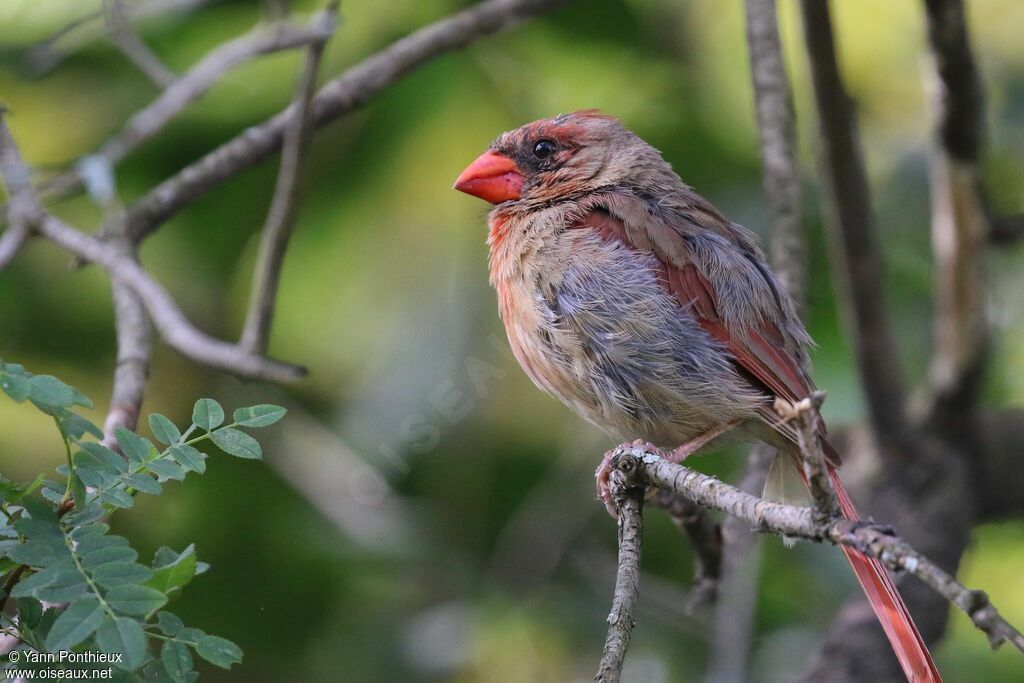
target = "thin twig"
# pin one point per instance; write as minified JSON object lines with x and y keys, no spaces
{"x":801,"y":522}
{"x":776,"y":125}
{"x":132,"y":370}
{"x":174,"y":327}
{"x":51,"y":51}
{"x":277,"y":229}
{"x":124,"y":35}
{"x":172,"y":324}
{"x":152,"y":118}
{"x":19,"y":191}
{"x":805,"y":414}
{"x":628,"y":491}
{"x":854,"y":234}
{"x":345,"y":93}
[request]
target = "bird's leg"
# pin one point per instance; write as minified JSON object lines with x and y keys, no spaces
{"x":681,"y":453}
{"x":677,"y":455}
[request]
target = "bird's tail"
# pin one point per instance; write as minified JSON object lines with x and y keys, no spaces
{"x":885,"y":600}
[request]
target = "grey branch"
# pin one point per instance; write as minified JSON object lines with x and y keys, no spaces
{"x":960,"y":217}
{"x":776,"y":125}
{"x":20,"y":216}
{"x":627,"y":485}
{"x":705,"y":535}
{"x":172,"y":324}
{"x":805,"y":415}
{"x":49,"y":53}
{"x":152,"y":118}
{"x":133,"y":352}
{"x":801,"y":522}
{"x":277,"y":229}
{"x":853,"y":230}
{"x":340,"y":96}
{"x":131,"y":44}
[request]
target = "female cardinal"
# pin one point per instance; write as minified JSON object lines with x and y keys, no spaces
{"x":637,"y":303}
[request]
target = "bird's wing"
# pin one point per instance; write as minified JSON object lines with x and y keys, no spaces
{"x":757,"y":345}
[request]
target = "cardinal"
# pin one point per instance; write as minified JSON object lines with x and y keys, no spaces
{"x":634,"y":301}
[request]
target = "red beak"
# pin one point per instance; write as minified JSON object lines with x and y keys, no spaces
{"x":492,"y":177}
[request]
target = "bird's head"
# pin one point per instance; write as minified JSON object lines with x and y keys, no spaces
{"x":558,"y":158}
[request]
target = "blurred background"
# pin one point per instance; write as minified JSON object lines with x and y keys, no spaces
{"x":424,"y":513}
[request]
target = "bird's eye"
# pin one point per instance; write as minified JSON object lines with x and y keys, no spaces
{"x":542,"y":149}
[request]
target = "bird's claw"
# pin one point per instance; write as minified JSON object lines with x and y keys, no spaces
{"x":602,"y":475}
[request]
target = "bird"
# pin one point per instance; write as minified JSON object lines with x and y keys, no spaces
{"x":638,"y":304}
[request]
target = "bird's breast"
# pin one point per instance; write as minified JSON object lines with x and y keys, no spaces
{"x":589,"y":321}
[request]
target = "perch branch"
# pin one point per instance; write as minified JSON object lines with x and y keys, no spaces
{"x":338,"y":97}
{"x":627,"y":485}
{"x":800,"y":522}
{"x":854,"y":233}
{"x":776,"y":125}
{"x":277,"y":229}
{"x":132,"y":370}
{"x":960,"y":217}
{"x":805,"y":415}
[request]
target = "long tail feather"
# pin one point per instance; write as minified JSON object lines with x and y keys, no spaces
{"x":885,"y":600}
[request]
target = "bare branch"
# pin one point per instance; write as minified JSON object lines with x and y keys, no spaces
{"x":20,"y":217}
{"x":49,"y":53}
{"x":132,"y":371}
{"x":338,"y":97}
{"x":853,"y":231}
{"x":172,"y":324}
{"x":801,"y":522}
{"x":705,"y":535}
{"x":805,"y":415}
{"x":627,"y":485}
{"x":152,"y":118}
{"x":776,"y":125}
{"x":960,"y":218}
{"x":277,"y":229}
{"x":131,"y":44}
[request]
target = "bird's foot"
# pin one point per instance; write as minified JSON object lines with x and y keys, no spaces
{"x":602,"y":476}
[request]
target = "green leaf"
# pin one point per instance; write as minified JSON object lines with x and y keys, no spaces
{"x":32,"y":584}
{"x":177,"y":660}
{"x":169,"y":623}
{"x":76,"y":426}
{"x":75,"y":624}
{"x":12,"y":492}
{"x":121,"y":574}
{"x":237,"y":443}
{"x":219,"y":651}
{"x":107,"y":554}
{"x":41,"y":553}
{"x":50,"y":391}
{"x":135,"y":600}
{"x":163,"y":429}
{"x":136,"y":448}
{"x":207,"y":414}
{"x":41,"y":525}
{"x":123,"y":635}
{"x":15,"y":386}
{"x":30,"y":611}
{"x":144,"y":483}
{"x":96,"y":539}
{"x":170,"y":576}
{"x":77,"y":490}
{"x":189,"y":458}
{"x":165,"y":469}
{"x":117,"y":498}
{"x":66,"y":586}
{"x":109,"y":458}
{"x":262,"y":415}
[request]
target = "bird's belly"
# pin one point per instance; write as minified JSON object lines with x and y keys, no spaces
{"x":603,"y":335}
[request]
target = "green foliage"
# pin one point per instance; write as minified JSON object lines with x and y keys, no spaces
{"x":55,"y":547}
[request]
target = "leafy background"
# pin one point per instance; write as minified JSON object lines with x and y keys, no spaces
{"x":424,"y":513}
